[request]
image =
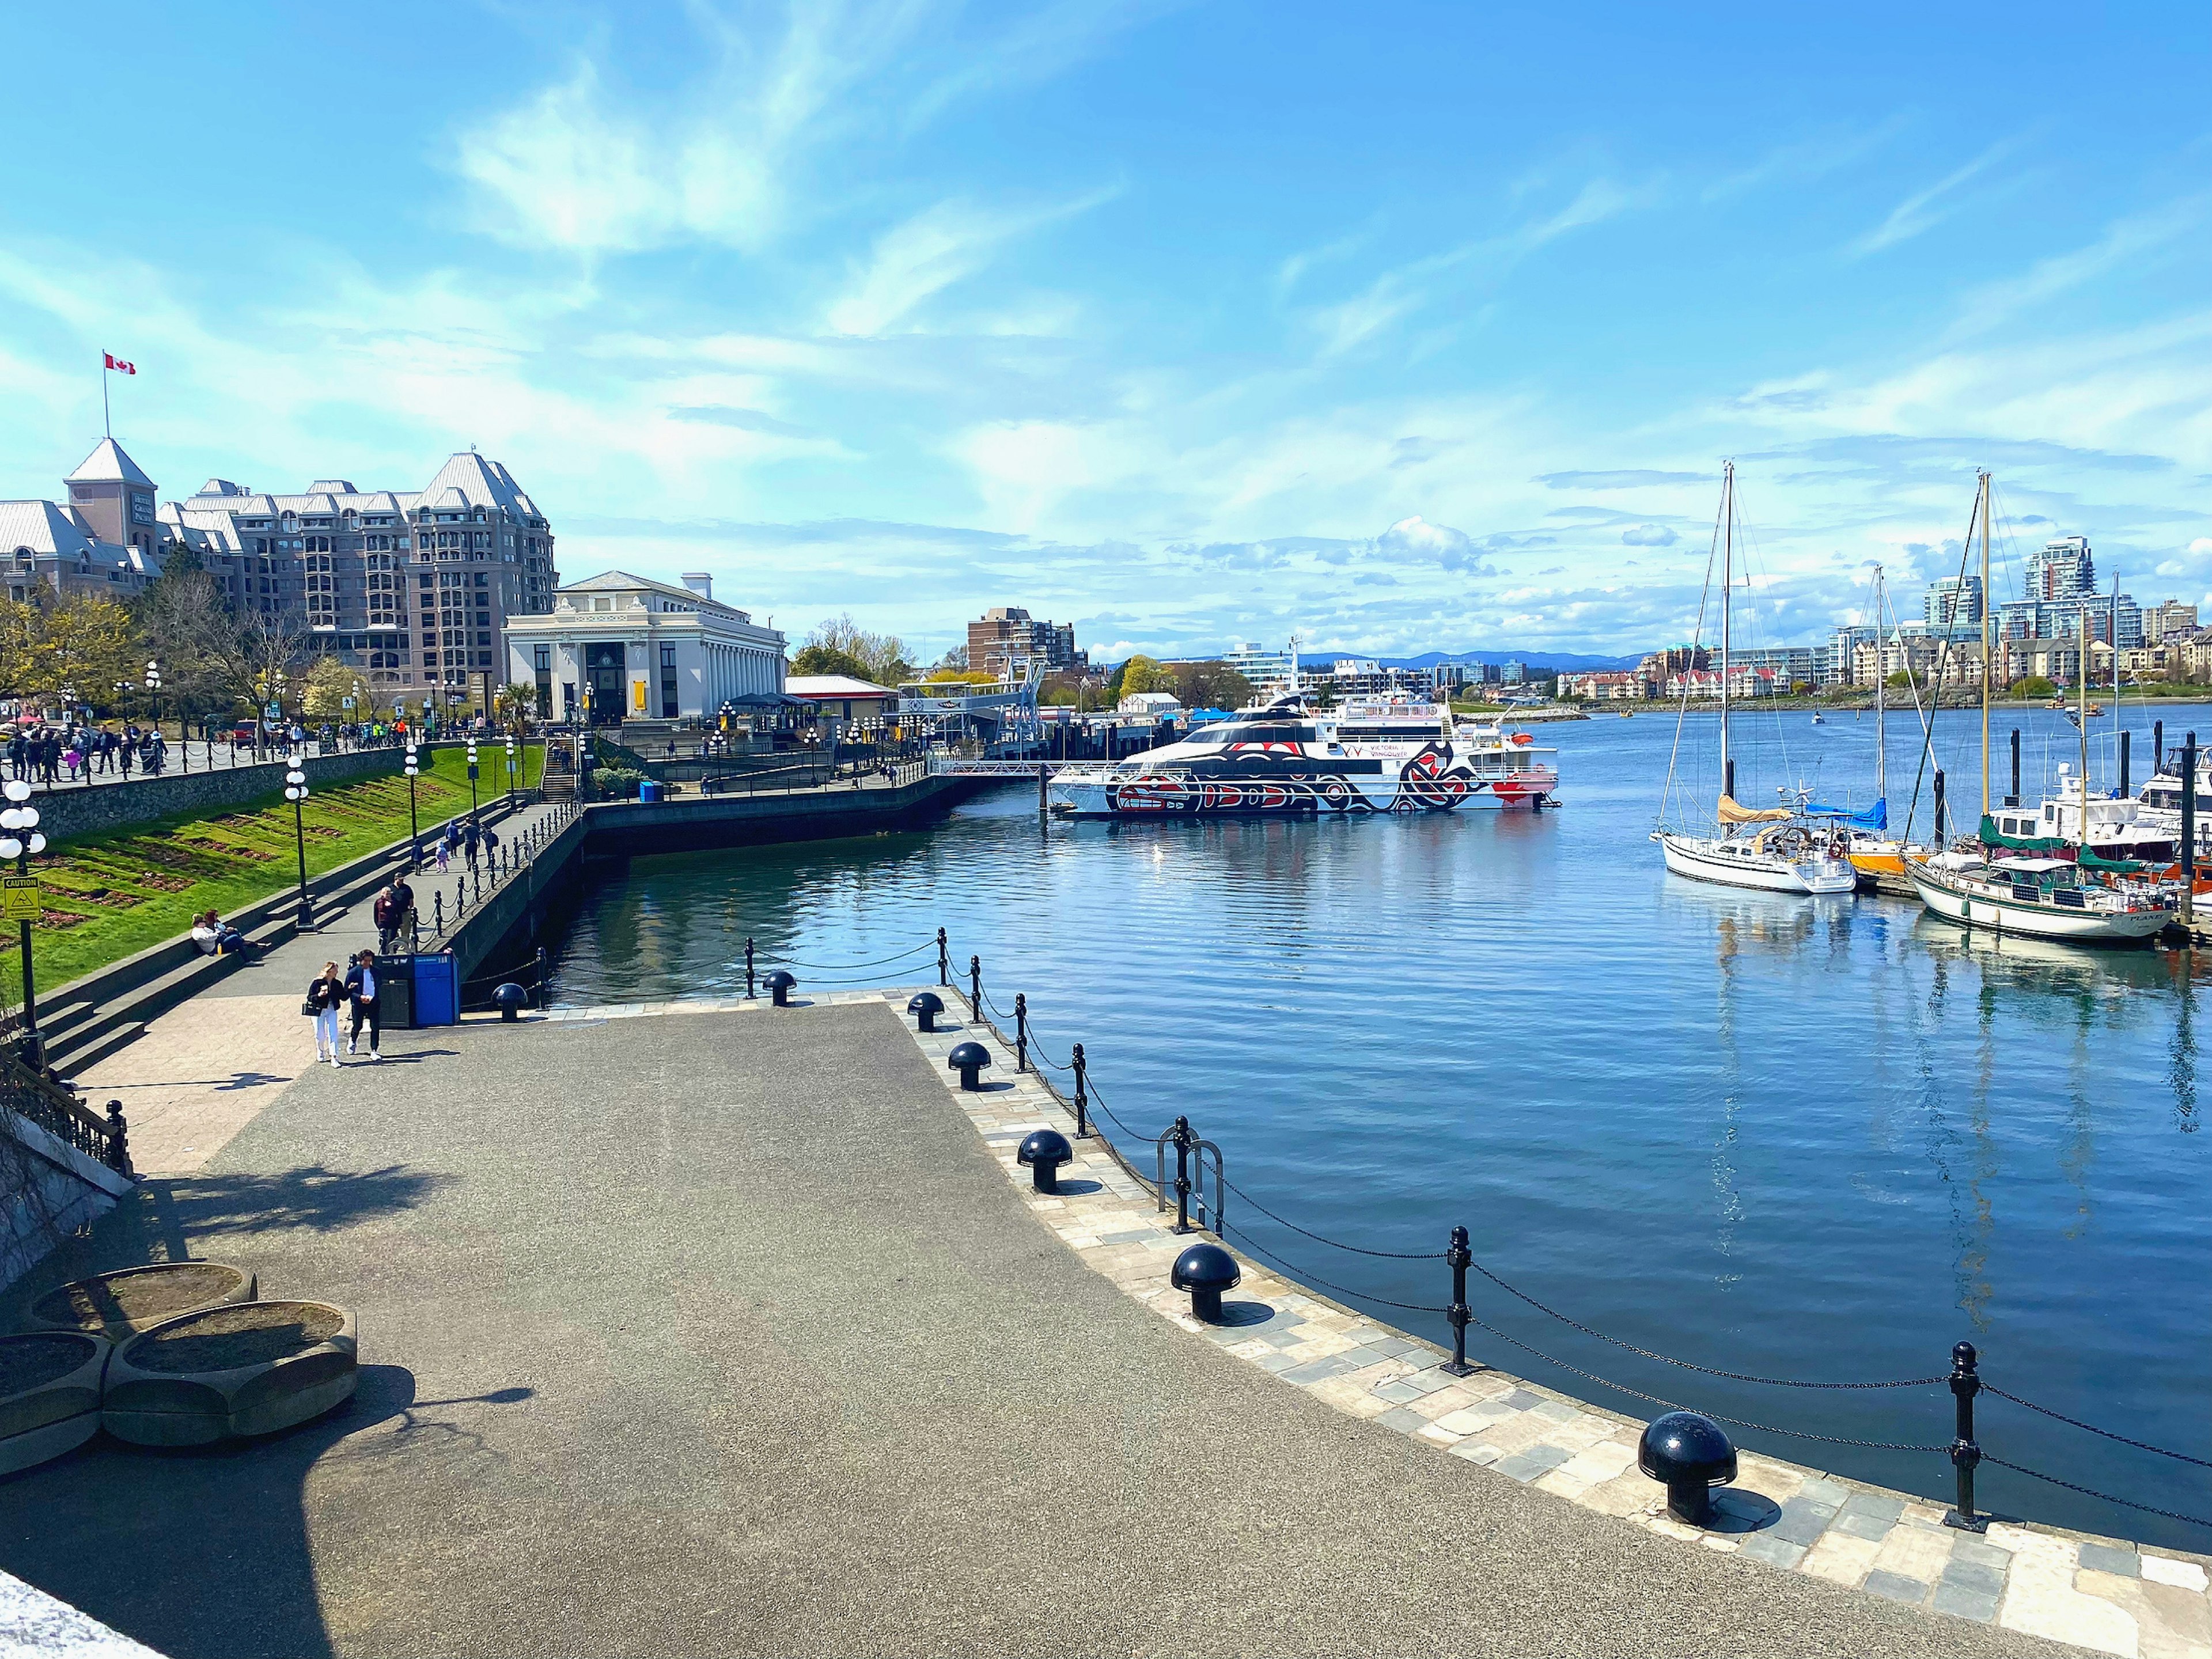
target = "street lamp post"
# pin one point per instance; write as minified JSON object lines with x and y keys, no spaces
{"x":414,"y":827}
{"x":510,"y":772}
{"x":472,"y":779}
{"x":18,"y":839}
{"x":296,"y":791}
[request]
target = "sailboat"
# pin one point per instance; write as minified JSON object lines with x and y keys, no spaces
{"x":1879,"y":860}
{"x":1776,"y":849}
{"x":2085,"y":899}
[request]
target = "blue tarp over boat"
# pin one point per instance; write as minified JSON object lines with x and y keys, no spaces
{"x":1876,"y":817}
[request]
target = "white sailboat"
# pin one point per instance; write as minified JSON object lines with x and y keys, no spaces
{"x":1776,"y":850}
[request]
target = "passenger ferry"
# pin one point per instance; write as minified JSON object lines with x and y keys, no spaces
{"x":1282,"y":759}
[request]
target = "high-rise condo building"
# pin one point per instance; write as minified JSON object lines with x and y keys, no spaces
{"x":2062,"y":570}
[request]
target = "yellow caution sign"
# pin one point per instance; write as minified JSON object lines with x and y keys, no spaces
{"x":19,"y":898}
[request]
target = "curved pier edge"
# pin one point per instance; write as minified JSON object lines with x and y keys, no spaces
{"x":2107,"y":1594}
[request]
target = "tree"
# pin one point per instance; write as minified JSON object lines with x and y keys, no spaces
{"x":1140,"y":673}
{"x":329,"y":683}
{"x":1900,"y":681}
{"x":955,"y":660}
{"x":83,"y":645}
{"x":17,"y":620}
{"x":882,"y":657}
{"x":2033,"y":686}
{"x":829,"y":660}
{"x":515,"y":704}
{"x":1209,"y":685}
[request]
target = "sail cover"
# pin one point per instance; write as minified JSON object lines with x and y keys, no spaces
{"x":1876,"y":817}
{"x":1730,"y":812}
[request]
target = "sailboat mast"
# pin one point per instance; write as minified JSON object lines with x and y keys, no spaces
{"x":1988,"y":667}
{"x":2085,"y":727}
{"x":1728,"y":584}
{"x":1880,"y":704}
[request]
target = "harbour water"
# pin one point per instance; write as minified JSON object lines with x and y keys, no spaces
{"x":1815,"y":1140}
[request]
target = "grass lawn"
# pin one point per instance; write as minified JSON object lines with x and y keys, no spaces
{"x":110,"y":895}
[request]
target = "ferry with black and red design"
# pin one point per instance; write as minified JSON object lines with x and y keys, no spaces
{"x":1284,"y":759}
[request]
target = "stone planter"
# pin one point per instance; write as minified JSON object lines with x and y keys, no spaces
{"x":49,"y":1395}
{"x":119,"y":1305}
{"x":251,"y":1368}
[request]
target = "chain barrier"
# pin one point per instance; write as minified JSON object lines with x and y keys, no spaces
{"x":2075,"y":1422}
{"x":2091,"y":1492}
{"x":1691,"y":1364}
{"x":1393,"y":1255}
{"x":1305,"y":1278}
{"x":846,"y":967}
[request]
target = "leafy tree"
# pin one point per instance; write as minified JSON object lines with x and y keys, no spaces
{"x":84,"y":646}
{"x":328,"y":684}
{"x":1140,"y":673}
{"x":1900,"y":681}
{"x":515,"y":704}
{"x":829,"y":660}
{"x":2033,"y":686}
{"x":960,"y":677}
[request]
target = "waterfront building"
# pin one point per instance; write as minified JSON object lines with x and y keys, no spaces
{"x":1744,"y":680}
{"x":1623,"y":686}
{"x":840,"y":699}
{"x":414,"y":589}
{"x":1661,"y":666}
{"x":1009,"y":642}
{"x":1916,"y":653}
{"x":2031,"y":618}
{"x":644,"y":651}
{"x":1835,"y":661}
{"x":1270,"y":671}
{"x":2061,"y":569}
{"x":2163,"y":622}
{"x":1791,"y":665}
{"x":1953,"y":605}
{"x":103,"y":542}
{"x":1513,"y":673}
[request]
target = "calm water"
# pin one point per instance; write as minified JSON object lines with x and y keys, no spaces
{"x":1821,"y":1140}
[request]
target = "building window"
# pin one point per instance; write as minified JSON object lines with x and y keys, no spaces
{"x":668,"y":682}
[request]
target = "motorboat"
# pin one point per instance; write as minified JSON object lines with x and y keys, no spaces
{"x":1283,"y":758}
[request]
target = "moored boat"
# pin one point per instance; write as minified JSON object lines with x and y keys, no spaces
{"x":1283,"y":760}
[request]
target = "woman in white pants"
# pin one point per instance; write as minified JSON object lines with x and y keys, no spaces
{"x":325,"y":993}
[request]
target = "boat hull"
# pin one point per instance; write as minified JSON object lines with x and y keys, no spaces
{"x":1688,"y":855}
{"x":1978,"y":909}
{"x":1136,"y":795}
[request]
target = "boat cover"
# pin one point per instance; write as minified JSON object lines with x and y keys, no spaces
{"x":2089,"y":861}
{"x":1730,"y":812}
{"x":1876,"y":817}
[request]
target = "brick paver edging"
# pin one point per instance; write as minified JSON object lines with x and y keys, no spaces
{"x":2110,"y":1596}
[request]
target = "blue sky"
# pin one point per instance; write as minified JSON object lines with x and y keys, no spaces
{"x":1407,"y":327}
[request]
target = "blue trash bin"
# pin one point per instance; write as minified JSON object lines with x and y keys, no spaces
{"x":437,"y":990}
{"x":648,"y":789}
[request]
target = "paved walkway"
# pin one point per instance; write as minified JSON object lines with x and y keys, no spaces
{"x":723,"y":1333}
{"x":202,"y":1071}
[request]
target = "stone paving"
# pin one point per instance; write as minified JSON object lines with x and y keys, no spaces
{"x":2111,"y":1596}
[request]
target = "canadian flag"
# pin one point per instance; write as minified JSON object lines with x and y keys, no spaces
{"x":118,"y":364}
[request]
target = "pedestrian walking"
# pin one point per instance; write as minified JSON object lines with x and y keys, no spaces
{"x":403,"y":912}
{"x":361,"y":985}
{"x":444,"y":852}
{"x":382,"y":910}
{"x":470,"y":838}
{"x":325,"y":992}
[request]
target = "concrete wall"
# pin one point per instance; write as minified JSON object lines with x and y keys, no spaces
{"x":52,"y":1190}
{"x":91,"y":809}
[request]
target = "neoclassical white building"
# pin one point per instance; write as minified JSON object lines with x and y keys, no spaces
{"x":644,"y":650}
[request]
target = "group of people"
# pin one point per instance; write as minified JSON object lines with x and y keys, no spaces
{"x":356,"y":989}
{"x":465,"y":840}
{"x":52,"y":754}
{"x":215,"y":936}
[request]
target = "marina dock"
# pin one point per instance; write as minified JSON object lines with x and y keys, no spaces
{"x":710,"y":1328}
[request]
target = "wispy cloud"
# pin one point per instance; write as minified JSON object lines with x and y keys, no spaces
{"x":2126,"y":243}
{"x":1804,"y":160}
{"x":1401,"y":292}
{"x":932,"y":251}
{"x":1925,"y":209}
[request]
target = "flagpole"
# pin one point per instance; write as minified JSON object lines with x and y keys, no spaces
{"x":106,"y":424}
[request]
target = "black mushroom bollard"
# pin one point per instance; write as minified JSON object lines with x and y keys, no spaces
{"x":968,"y":1059}
{"x":781,"y":984}
{"x":1044,"y":1151}
{"x":510,"y":999}
{"x":1206,"y":1271}
{"x":1690,"y":1454}
{"x":925,"y":1007}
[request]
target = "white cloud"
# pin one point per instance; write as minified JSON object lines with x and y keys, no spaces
{"x":1649,"y":535}
{"x":1418,"y":535}
{"x":1925,"y":209}
{"x":2126,"y":244}
{"x":929,"y":253}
